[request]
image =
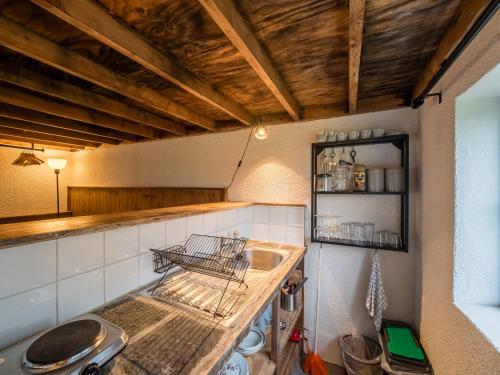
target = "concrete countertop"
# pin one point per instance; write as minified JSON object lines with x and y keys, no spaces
{"x":168,"y":339}
{"x":45,"y":230}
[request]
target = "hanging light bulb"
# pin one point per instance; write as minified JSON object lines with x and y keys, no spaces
{"x":260,"y":131}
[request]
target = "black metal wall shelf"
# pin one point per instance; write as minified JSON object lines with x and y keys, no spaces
{"x":359,"y":192}
{"x":363,"y":245}
{"x":401,"y":142}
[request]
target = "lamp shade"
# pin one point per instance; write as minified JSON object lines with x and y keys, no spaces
{"x":57,"y":163}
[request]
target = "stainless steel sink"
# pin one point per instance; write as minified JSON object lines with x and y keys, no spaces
{"x":263,"y":260}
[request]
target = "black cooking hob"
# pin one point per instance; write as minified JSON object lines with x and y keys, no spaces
{"x":65,"y":342}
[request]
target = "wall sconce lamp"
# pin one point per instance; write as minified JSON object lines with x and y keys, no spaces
{"x":57,"y":165}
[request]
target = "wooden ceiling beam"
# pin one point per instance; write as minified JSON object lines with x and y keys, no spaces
{"x":465,"y":18}
{"x":232,"y":23}
{"x":22,"y":142}
{"x":91,"y":18}
{"x":5,"y":131}
{"x":356,"y":21}
{"x":94,"y":20}
{"x":18,"y":38}
{"x":37,"y":82}
{"x":28,"y":126}
{"x":22,"y":99}
{"x":23,"y":114}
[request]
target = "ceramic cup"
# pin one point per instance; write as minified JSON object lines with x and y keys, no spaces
{"x":341,"y":136}
{"x":367,"y":133}
{"x":353,"y":134}
{"x":377,"y":133}
{"x":321,"y":136}
{"x":332,"y":136}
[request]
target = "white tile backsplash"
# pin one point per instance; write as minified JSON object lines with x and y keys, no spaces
{"x":79,"y":254}
{"x":261,"y":214}
{"x":277,"y":215}
{"x":277,"y":233}
{"x":146,"y":273}
{"x":121,"y":244}
{"x":151,"y":236}
{"x":194,"y":225}
{"x":27,"y":313}
{"x":249,"y":230}
{"x":232,"y":218}
{"x":295,"y":216}
{"x":176,"y":231}
{"x":295,"y":236}
{"x":222,"y":219}
{"x":241,"y":216}
{"x":249,"y":214}
{"x":209,"y":223}
{"x":121,"y":278}
{"x":27,"y":267}
{"x":261,"y":232}
{"x":80,"y":294}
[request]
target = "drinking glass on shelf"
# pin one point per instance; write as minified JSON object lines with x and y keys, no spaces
{"x":369,"y":229}
{"x":345,"y":230}
{"x":358,"y":233}
{"x":395,"y":240}
{"x":380,"y":238}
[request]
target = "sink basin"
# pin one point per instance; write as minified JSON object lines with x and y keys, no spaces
{"x":262,"y":260}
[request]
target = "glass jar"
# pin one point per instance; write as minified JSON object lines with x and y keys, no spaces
{"x":343,"y":177}
{"x":360,"y":177}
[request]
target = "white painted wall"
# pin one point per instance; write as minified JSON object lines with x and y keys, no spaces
{"x":453,"y":342}
{"x":31,"y":190}
{"x":277,"y":170}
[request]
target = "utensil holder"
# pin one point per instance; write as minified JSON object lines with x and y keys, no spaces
{"x":289,"y":301}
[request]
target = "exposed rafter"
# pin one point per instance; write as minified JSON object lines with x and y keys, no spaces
{"x":92,"y":19}
{"x":26,"y":143}
{"x":356,"y":21}
{"x":22,"y":99}
{"x":62,"y":90}
{"x":463,"y":21}
{"x":32,"y":137}
{"x":17,"y":38}
{"x":232,"y":23}
{"x":38,"y":143}
{"x":23,"y":114}
{"x":42,"y":129}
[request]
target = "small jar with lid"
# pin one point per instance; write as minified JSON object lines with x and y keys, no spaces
{"x":360,"y":177}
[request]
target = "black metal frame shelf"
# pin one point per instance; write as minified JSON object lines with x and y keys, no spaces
{"x":401,"y":142}
{"x":359,"y":192}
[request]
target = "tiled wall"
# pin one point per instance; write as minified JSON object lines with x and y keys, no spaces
{"x":275,"y":223}
{"x":50,"y":282}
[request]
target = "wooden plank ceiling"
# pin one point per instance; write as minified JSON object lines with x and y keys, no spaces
{"x":86,"y":73}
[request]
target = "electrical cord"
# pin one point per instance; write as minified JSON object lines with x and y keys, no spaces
{"x":239,"y":165}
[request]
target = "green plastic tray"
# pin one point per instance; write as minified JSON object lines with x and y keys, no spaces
{"x":400,"y":342}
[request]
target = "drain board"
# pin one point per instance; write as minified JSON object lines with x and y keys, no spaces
{"x":195,"y":291}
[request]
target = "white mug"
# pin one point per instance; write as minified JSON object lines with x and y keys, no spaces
{"x":367,"y":133}
{"x":353,"y":134}
{"x":341,"y":136}
{"x":321,"y":136}
{"x":377,"y":133}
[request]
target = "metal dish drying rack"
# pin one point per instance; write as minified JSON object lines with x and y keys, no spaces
{"x":219,"y":257}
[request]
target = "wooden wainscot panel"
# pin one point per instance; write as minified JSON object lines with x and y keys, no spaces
{"x":100,"y":200}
